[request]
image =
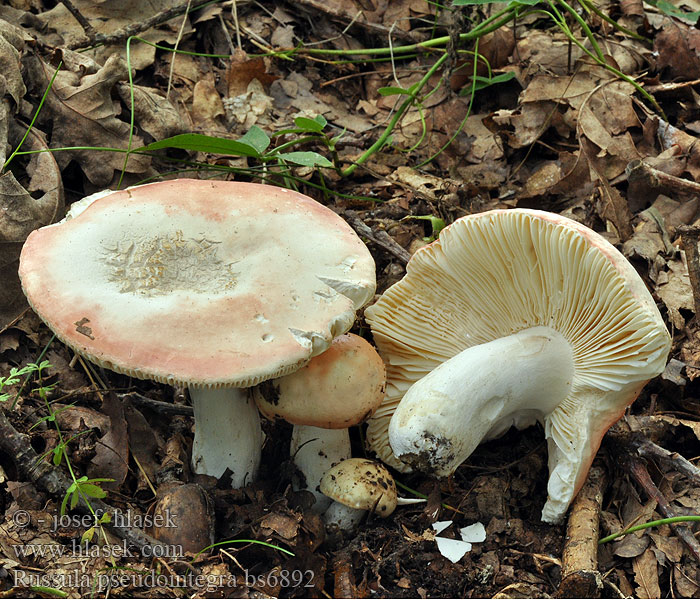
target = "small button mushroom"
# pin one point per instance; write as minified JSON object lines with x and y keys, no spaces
{"x":511,"y":317}
{"x":210,"y":284}
{"x":358,"y":485}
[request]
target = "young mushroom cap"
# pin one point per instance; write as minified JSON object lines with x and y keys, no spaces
{"x":513,"y":316}
{"x":205,"y":283}
{"x":335,"y":390}
{"x":361,"y":484}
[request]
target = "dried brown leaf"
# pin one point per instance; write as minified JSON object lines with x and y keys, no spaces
{"x":671,"y":547}
{"x":631,"y":546}
{"x":685,"y":578}
{"x":111,"y":458}
{"x":646,"y":575}
{"x":207,"y":107}
{"x":673,"y":287}
{"x":284,"y":524}
{"x":23,"y":209}
{"x":83,"y":114}
{"x":243,"y":70}
{"x":108,"y":16}
{"x":153,"y":113}
{"x":143,"y":444}
{"x":677,"y":46}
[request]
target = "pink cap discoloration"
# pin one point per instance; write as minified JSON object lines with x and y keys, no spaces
{"x":209,"y":283}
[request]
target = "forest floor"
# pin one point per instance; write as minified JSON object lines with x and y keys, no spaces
{"x":590,"y":110}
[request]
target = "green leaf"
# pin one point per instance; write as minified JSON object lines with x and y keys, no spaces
{"x":305,"y":159}
{"x":671,"y":10}
{"x":88,"y":535}
{"x":74,"y":499}
{"x":394,"y":91}
{"x":314,"y":125}
{"x":483,"y":82}
{"x":213,"y":145}
{"x":436,"y":223}
{"x":256,"y":138}
{"x":71,"y":489}
{"x":92,"y":491}
{"x":57,"y":455}
{"x":472,"y":2}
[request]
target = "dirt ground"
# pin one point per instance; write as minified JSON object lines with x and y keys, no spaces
{"x":588,"y":110}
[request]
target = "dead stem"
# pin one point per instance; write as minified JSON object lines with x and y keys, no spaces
{"x":640,"y":474}
{"x":580,"y":576}
{"x":689,"y":242}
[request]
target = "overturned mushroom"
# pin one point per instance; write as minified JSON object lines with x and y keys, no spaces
{"x":215,"y":285}
{"x":512,"y":317}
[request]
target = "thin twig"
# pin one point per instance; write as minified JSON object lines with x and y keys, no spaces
{"x":648,"y":449}
{"x":163,"y":408}
{"x":332,"y":10}
{"x":381,"y":238}
{"x":173,"y":58}
{"x":641,"y":476}
{"x":689,"y":242}
{"x":121,"y":35}
{"x":641,"y":170}
{"x":84,"y":23}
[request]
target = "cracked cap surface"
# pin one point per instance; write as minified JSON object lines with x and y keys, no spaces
{"x":198,"y":282}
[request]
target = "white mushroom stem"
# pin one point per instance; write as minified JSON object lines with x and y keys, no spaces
{"x":316,"y":450}
{"x":481,"y":391}
{"x":227,"y":434}
{"x":344,"y":517}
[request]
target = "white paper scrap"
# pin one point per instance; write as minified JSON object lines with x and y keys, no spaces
{"x":452,"y":550}
{"x":473,"y":533}
{"x":440,"y":526}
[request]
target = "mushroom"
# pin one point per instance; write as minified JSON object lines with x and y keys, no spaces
{"x":335,"y":390}
{"x":358,"y":485}
{"x":512,"y":317}
{"x":214,"y":285}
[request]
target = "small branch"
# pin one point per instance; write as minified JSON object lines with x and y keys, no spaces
{"x":580,"y":576}
{"x":640,"y":170}
{"x":53,"y":481}
{"x":121,"y":35}
{"x":164,"y":408}
{"x":343,"y":578}
{"x":84,"y":23}
{"x":381,"y":238}
{"x":689,"y":242}
{"x":641,"y":476}
{"x":331,"y":10}
{"x":649,"y":449}
{"x":670,"y":87}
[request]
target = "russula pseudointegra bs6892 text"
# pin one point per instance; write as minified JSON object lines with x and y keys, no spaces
{"x":513,"y":316}
{"x":215,"y":285}
{"x":337,"y":389}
